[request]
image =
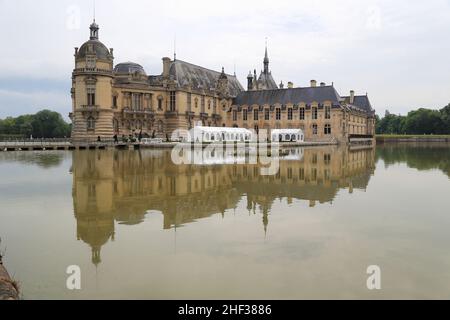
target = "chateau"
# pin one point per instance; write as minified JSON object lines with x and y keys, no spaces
{"x":121,"y":100}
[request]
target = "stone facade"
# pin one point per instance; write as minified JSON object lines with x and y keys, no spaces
{"x":123,"y":100}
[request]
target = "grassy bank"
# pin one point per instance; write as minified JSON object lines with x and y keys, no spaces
{"x":412,"y":138}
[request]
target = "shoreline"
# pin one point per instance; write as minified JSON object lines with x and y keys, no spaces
{"x":8,"y":287}
{"x":399,"y":138}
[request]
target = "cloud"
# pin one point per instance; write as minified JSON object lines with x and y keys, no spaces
{"x":394,"y":50}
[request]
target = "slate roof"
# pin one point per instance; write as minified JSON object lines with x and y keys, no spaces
{"x":200,"y":78}
{"x":267,"y":82}
{"x":362,"y":102}
{"x":129,"y":67}
{"x":290,"y":95}
{"x":99,"y":48}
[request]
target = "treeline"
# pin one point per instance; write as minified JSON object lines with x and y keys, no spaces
{"x":422,"y":121}
{"x":44,"y":124}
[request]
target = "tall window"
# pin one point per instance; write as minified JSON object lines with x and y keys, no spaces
{"x":302,"y":113}
{"x":91,"y":123}
{"x":290,"y":114}
{"x":315,"y":129}
{"x":278,"y":113}
{"x":137,"y":101}
{"x":160,"y":103}
{"x":314,"y":113}
{"x":189,"y":102}
{"x":91,"y":96}
{"x":203,"y":104}
{"x":328,"y":112}
{"x":245,"y":115}
{"x":256,"y":115}
{"x":328,"y":129}
{"x":234,"y":115}
{"x":90,"y":62}
{"x":114,"y":101}
{"x":267,"y":114}
{"x":173,"y":101}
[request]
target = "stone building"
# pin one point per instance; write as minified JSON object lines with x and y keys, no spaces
{"x":124,"y":100}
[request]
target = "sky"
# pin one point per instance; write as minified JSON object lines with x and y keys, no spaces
{"x":396,"y":51}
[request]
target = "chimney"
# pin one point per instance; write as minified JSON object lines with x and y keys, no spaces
{"x":323,"y":84}
{"x":166,"y":67}
{"x":352,"y":96}
{"x":281,"y":85}
{"x":313,"y":83}
{"x":250,"y":81}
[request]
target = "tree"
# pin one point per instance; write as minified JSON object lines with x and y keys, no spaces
{"x":424,"y":121}
{"x":49,"y":124}
{"x":445,"y":117}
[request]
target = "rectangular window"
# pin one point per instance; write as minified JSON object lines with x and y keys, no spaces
{"x":278,"y":114}
{"x":290,"y":114}
{"x":234,"y":115}
{"x":189,"y":102}
{"x":301,"y":174}
{"x":328,"y":112}
{"x":160,"y":103}
{"x":302,"y":113}
{"x":256,"y":115}
{"x":327,"y":159}
{"x":327,"y":129}
{"x":91,"y":96}
{"x":315,"y":129}
{"x":314,"y":113}
{"x":245,"y":115}
{"x":114,"y":101}
{"x":203,"y":105}
{"x":267,"y":114}
{"x":173,"y":101}
{"x":137,"y":101}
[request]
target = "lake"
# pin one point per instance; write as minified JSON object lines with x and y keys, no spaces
{"x":141,"y":227}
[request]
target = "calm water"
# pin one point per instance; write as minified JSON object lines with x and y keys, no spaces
{"x":141,"y":227}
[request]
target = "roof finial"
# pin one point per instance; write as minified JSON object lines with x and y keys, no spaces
{"x":94,"y":10}
{"x":175,"y":47}
{"x":266,"y":60}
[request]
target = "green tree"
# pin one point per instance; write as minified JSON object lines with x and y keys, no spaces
{"x":424,"y":121}
{"x":49,"y":124}
{"x":445,"y":117}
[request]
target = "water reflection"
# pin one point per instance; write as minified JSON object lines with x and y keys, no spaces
{"x":421,"y":156}
{"x":122,"y":186}
{"x":46,"y":160}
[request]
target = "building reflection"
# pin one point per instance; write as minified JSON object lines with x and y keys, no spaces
{"x":114,"y":186}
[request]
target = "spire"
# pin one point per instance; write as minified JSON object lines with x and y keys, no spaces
{"x":94,"y":27}
{"x":266,"y":61}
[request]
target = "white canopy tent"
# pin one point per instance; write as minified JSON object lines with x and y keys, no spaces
{"x":287,"y":135}
{"x":218,"y":134}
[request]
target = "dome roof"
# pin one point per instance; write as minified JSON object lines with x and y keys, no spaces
{"x":129,"y":68}
{"x":94,"y":46}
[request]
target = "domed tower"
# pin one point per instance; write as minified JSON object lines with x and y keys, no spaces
{"x":92,"y":114}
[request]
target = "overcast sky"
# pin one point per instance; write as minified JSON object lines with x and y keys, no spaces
{"x":397,"y":51}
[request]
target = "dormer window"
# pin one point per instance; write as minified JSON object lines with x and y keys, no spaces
{"x":90,"y":62}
